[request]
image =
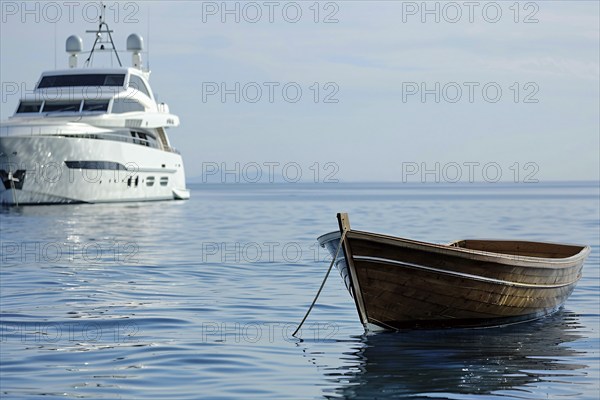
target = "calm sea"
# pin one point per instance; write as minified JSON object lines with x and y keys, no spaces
{"x":198,"y":299}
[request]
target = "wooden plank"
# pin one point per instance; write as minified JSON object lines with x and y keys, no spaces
{"x":372,"y":277}
{"x":421,"y":294}
{"x":362,"y":247}
{"x":344,"y":224}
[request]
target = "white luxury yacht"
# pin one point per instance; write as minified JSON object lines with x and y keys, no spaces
{"x":88,"y":135}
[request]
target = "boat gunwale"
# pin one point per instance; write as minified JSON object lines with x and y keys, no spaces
{"x":480,"y":255}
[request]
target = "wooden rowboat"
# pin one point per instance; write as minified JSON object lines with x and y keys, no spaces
{"x":400,"y":283}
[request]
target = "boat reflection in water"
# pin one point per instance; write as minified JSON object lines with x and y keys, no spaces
{"x":522,"y":360}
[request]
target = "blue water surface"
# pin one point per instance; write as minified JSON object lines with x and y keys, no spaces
{"x":198,"y":299}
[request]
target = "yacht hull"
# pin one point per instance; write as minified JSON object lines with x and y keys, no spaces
{"x":59,"y":169}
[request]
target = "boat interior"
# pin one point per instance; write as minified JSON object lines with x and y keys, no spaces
{"x":521,"y":248}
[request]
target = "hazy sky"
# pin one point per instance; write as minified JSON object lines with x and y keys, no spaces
{"x":357,"y":90}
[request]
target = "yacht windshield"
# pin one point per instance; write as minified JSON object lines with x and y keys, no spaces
{"x":82,"y":80}
{"x":95,"y":105}
{"x":29,"y":107}
{"x":62,"y":106}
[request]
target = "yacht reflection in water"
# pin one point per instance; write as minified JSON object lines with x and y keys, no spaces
{"x":458,"y":363}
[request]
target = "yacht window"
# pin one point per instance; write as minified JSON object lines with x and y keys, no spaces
{"x":82,"y":80}
{"x":150,"y":181}
{"x":144,"y":138}
{"x":137,"y":83}
{"x":164,"y":180}
{"x":95,"y":105}
{"x":126,"y":105}
{"x":135,"y":138}
{"x":95,"y":165}
{"x":29,"y":107}
{"x":62,"y":106}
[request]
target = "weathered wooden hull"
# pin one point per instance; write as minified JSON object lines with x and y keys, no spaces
{"x":398,"y":283}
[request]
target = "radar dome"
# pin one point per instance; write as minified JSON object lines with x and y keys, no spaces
{"x":135,"y":42}
{"x":74,"y":44}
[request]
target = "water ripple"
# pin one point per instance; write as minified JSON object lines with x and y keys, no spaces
{"x":166,"y":300}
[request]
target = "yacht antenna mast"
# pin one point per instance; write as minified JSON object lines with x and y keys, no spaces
{"x":99,"y":33}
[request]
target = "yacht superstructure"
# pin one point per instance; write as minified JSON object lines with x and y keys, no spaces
{"x":87,"y":135}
